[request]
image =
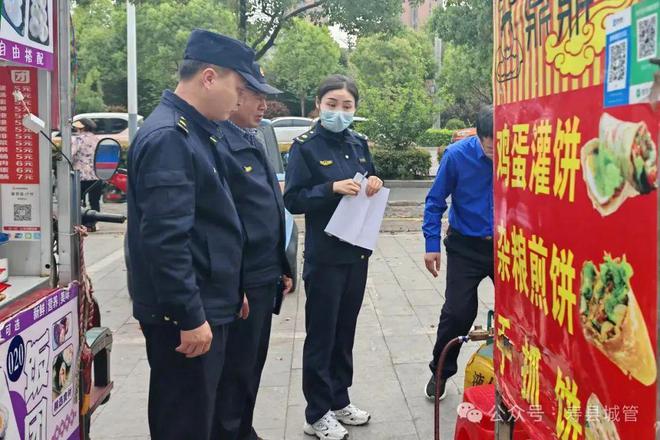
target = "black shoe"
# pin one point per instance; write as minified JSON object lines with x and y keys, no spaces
{"x":429,"y":391}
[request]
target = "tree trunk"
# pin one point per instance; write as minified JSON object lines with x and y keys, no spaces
{"x":278,"y":27}
{"x":302,"y":105}
{"x":242,"y":20}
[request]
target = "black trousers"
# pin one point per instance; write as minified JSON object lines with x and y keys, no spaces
{"x":182,"y":392}
{"x":334,"y":297}
{"x":94,"y":194}
{"x":247,"y":349}
{"x":469,"y":261}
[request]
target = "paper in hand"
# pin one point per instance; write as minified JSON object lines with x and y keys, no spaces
{"x":357,"y":219}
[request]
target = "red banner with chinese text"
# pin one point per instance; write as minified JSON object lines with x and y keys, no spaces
{"x":576,"y":217}
{"x":19,"y":147}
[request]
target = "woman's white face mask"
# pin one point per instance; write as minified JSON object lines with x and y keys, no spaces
{"x":336,"y":121}
{"x":336,"y":110}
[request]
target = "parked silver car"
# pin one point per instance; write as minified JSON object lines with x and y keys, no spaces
{"x":267,"y":136}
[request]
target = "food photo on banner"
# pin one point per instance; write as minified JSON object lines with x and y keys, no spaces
{"x":26,"y":32}
{"x":576,"y":216}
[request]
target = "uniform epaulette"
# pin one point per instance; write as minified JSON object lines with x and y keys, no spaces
{"x":305,"y":136}
{"x":360,"y":135}
{"x":215,"y":138}
{"x":182,"y":124}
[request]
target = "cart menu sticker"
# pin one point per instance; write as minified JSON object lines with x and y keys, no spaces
{"x":576,"y":217}
{"x":19,"y":147}
{"x":20,"y":212}
{"x":26,"y":32}
{"x":38,"y":387}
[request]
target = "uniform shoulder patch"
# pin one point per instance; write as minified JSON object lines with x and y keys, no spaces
{"x":182,"y":124}
{"x":359,"y":135}
{"x":305,"y":136}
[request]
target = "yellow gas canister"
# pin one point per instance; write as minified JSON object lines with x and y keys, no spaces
{"x":479,"y":369}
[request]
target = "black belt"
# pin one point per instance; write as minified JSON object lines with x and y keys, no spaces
{"x":452,"y":231}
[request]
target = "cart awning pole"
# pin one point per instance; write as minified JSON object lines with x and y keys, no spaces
{"x":65,"y":204}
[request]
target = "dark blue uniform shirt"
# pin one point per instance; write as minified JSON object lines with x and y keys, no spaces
{"x":465,"y":173}
{"x":258,"y":198}
{"x":184,"y":235}
{"x":316,"y":160}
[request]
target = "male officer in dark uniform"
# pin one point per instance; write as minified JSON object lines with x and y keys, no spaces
{"x":185,"y":238}
{"x":266,"y":272}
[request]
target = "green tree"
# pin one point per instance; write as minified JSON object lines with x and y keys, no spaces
{"x":392,"y":73}
{"x":261,"y":22}
{"x":465,"y":23}
{"x":164,"y":25}
{"x":465,"y":76}
{"x":396,"y":115}
{"x":100,"y":54}
{"x":305,"y":55}
{"x":406,"y":58}
{"x":463,"y":87}
{"x":89,"y":97}
{"x":162,"y":31}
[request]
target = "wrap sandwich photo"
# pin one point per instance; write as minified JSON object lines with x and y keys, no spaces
{"x":620,"y":163}
{"x":612,"y":320}
{"x":597,"y":424}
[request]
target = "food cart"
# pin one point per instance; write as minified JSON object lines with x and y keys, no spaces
{"x":576,"y":219}
{"x":48,"y":342}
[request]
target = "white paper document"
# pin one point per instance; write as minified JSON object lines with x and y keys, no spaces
{"x":357,"y":219}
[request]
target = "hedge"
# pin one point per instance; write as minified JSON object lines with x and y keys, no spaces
{"x":434,"y":137}
{"x":455,"y":124}
{"x":408,"y":163}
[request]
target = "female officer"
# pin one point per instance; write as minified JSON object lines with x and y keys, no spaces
{"x":322,"y":164}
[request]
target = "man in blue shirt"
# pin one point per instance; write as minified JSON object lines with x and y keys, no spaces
{"x":465,"y":174}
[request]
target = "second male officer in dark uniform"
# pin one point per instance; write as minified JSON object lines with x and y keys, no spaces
{"x":185,"y":238}
{"x":266,"y":272}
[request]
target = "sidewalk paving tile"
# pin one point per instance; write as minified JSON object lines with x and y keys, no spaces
{"x":393,"y":344}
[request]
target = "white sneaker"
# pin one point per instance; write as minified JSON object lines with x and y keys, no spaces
{"x":352,"y":415}
{"x":327,"y":428}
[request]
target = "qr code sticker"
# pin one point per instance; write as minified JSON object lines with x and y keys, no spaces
{"x":618,"y":64}
{"x":22,"y":213}
{"x":647,"y":37}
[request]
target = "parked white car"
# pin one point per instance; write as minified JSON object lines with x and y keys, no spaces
{"x":112,"y":125}
{"x":288,"y":128}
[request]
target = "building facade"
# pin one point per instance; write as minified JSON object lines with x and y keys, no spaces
{"x":416,"y":17}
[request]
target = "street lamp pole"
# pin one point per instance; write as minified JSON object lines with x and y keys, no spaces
{"x":132,"y":69}
{"x":437,"y":53}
